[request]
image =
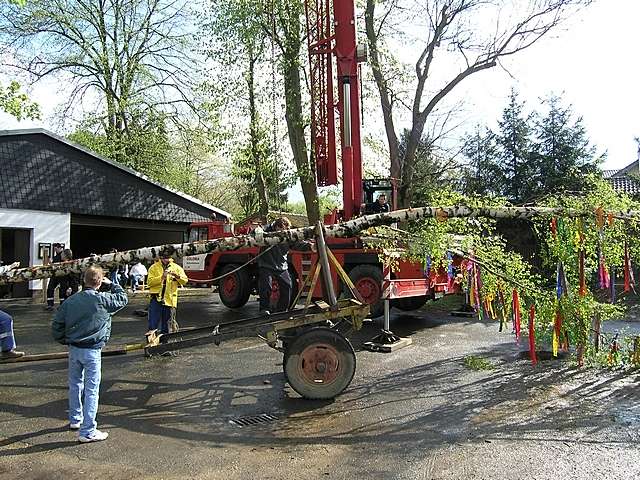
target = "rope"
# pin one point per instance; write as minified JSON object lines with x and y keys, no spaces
{"x":215,"y":279}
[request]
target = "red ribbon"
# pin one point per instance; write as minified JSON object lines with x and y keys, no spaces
{"x":532,"y":335}
{"x":558,"y":324}
{"x":583,"y":288}
{"x":516,"y":314}
{"x":629,"y":281}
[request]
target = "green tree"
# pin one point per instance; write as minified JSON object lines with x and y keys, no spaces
{"x":285,"y":19}
{"x":517,"y":176}
{"x":562,"y":150}
{"x":276,"y":177}
{"x":131,"y":57}
{"x":145,"y":148}
{"x":433,"y":168}
{"x":482,"y":168}
{"x":16,"y":103}
{"x":237,"y":44}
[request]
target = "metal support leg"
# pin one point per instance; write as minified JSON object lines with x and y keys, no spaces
{"x":325,"y":271}
{"x":387,"y":315}
{"x":387,"y":341}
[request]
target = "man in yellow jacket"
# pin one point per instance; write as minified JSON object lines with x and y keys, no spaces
{"x":163,"y":280}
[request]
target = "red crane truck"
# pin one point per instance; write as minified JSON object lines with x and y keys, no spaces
{"x":328,"y":38}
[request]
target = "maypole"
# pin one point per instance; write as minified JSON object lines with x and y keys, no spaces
{"x":349,"y":228}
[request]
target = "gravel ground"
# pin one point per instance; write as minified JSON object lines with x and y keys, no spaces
{"x":417,"y":413}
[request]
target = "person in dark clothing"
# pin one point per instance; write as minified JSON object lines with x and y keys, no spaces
{"x":119,"y":273}
{"x":273,"y":266}
{"x":381,"y":205}
{"x":68,"y":284}
{"x":54,"y":282}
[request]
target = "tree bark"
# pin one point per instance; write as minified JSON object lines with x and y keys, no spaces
{"x":385,"y":99}
{"x":263,"y":200}
{"x":291,"y":44}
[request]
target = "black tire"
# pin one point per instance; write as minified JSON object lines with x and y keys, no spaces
{"x":368,"y":281}
{"x":319,"y":364}
{"x":410,"y":303}
{"x":234,"y":289}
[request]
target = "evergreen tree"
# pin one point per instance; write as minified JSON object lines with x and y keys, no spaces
{"x":562,"y":151}
{"x":432,"y":170}
{"x":516,"y":177}
{"x":482,"y":168}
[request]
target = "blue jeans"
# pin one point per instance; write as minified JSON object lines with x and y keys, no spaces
{"x":135,"y":279}
{"x":7,"y":342}
{"x":84,"y":387}
{"x":159,"y":316}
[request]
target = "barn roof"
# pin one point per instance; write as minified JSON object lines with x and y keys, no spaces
{"x":40,"y":170}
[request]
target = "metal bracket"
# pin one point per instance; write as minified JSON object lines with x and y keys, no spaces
{"x":386,"y":342}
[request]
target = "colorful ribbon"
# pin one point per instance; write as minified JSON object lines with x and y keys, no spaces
{"x":629,"y":281}
{"x":532,"y":335}
{"x":516,"y":314}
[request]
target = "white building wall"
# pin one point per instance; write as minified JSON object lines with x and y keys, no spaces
{"x":46,"y":227}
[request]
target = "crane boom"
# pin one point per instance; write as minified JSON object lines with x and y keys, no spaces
{"x":323,"y":43}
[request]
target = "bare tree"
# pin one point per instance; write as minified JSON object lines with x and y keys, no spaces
{"x":453,"y":43}
{"x":131,"y":56}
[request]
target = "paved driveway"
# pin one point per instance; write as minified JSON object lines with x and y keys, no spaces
{"x":413,"y":414}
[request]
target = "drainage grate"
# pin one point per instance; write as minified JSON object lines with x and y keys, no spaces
{"x":254,"y":420}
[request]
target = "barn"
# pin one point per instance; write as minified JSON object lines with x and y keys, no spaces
{"x":54,"y":191}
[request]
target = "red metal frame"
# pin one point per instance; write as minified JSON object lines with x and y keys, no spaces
{"x":322,"y":43}
{"x":323,"y":135}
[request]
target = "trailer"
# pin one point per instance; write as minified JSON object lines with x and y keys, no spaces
{"x":318,"y":359}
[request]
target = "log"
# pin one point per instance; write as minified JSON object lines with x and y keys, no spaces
{"x":349,"y":228}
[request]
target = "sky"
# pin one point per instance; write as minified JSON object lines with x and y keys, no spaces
{"x":593,"y":65}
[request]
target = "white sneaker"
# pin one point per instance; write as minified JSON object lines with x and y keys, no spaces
{"x":96,"y":436}
{"x":74,"y":426}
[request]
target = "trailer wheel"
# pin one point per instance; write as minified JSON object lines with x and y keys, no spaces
{"x":368,"y":281}
{"x":234,"y":289}
{"x":410,"y":303}
{"x":319,"y":364}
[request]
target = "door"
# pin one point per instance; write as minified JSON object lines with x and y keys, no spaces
{"x":15,"y":246}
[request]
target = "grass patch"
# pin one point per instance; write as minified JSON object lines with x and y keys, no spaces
{"x":478,"y":363}
{"x":447,"y":304}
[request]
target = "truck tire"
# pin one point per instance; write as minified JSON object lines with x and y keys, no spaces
{"x":410,"y":303}
{"x":234,"y":289}
{"x":368,"y":281}
{"x":275,"y":291}
{"x":319,"y":364}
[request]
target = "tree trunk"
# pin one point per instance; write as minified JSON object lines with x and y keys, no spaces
{"x":345,"y":229}
{"x":261,"y":188}
{"x":385,"y":100}
{"x":291,"y":45}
